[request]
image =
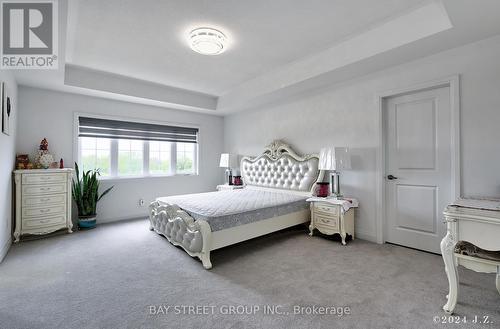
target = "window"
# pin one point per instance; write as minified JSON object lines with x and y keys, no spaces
{"x":130,"y":157}
{"x":159,"y":157}
{"x":185,"y":158}
{"x":96,"y":153}
{"x":128,"y":149}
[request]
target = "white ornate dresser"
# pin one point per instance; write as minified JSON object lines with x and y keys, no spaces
{"x":472,"y":239}
{"x":43,"y":201}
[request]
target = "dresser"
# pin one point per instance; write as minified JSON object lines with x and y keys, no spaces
{"x":43,"y":201}
{"x":332,"y":216}
{"x":478,"y":223}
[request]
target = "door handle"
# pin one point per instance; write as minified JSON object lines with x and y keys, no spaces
{"x":391,"y":177}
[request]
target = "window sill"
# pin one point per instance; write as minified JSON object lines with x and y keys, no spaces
{"x":129,"y":178}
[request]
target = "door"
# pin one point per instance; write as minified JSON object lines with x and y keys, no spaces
{"x":418,"y":167}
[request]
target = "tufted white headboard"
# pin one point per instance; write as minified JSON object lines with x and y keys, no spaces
{"x":281,"y":168}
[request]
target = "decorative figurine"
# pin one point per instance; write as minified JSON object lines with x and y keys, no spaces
{"x":61,"y":164}
{"x":44,"y":158}
{"x":22,"y":161}
{"x":44,"y":145}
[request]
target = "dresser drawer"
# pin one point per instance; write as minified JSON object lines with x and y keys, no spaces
{"x":44,"y":178}
{"x":36,"y":201}
{"x":43,"y":189}
{"x":326,"y":209}
{"x":44,"y":221}
{"x":326,"y":221}
{"x":44,"y":211}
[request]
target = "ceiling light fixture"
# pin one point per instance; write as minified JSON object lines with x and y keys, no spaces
{"x":207,"y":41}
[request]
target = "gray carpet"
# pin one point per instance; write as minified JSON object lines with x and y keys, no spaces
{"x":110,"y":276}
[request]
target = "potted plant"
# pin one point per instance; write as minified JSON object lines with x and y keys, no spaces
{"x":86,"y":195}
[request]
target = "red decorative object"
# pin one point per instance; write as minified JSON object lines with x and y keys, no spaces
{"x":237,"y":180}
{"x":61,"y":164}
{"x":322,"y":190}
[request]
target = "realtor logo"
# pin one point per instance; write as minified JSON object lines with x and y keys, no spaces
{"x":29,"y":35}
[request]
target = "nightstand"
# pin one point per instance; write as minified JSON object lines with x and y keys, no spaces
{"x":225,"y":187}
{"x":331,"y":216}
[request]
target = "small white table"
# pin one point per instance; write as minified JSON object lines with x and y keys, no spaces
{"x":475,"y":221}
{"x":331,"y":216}
{"x":225,"y":187}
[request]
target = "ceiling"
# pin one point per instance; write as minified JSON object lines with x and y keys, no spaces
{"x":137,"y":50}
{"x":148,"y":39}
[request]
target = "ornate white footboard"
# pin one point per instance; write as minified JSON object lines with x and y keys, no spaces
{"x":180,"y":229}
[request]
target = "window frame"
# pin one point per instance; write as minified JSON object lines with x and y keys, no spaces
{"x":114,"y":149}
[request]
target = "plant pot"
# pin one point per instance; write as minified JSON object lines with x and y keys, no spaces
{"x":87,"y":222}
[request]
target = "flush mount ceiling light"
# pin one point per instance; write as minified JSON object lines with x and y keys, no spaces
{"x":207,"y":41}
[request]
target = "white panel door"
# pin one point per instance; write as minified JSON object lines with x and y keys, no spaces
{"x":418,"y":167}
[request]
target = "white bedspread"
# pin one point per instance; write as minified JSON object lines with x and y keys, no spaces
{"x":230,"y":208}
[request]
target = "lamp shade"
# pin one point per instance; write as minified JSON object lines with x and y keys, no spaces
{"x":228,"y":160}
{"x":334,"y":158}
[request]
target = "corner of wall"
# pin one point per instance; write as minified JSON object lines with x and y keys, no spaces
{"x":7,"y":164}
{"x":5,"y":249}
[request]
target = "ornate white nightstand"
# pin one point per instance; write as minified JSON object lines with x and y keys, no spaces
{"x":330,"y":216}
{"x":229,"y":187}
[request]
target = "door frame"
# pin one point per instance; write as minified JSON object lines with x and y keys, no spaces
{"x":453,"y":82}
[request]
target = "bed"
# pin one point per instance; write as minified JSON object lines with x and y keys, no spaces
{"x":277,"y":184}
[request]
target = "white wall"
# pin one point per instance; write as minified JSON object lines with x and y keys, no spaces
{"x":347,"y":115}
{"x":7,"y":163}
{"x":44,"y":113}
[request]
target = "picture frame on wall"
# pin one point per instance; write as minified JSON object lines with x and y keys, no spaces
{"x":6,"y":108}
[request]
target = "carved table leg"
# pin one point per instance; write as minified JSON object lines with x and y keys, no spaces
{"x":17,"y":235}
{"x":498,"y":279}
{"x":343,"y":233}
{"x":311,"y":224}
{"x":447,"y":248}
{"x":343,"y":236}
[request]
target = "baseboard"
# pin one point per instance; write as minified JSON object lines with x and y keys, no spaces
{"x":365,"y":236}
{"x":5,"y":249}
{"x":120,"y":219}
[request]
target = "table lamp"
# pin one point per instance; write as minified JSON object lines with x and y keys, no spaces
{"x":334,"y":159}
{"x":228,"y":161}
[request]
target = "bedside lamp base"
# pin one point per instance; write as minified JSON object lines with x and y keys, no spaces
{"x":335,"y":184}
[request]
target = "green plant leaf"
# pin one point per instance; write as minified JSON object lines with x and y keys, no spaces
{"x":85,"y":191}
